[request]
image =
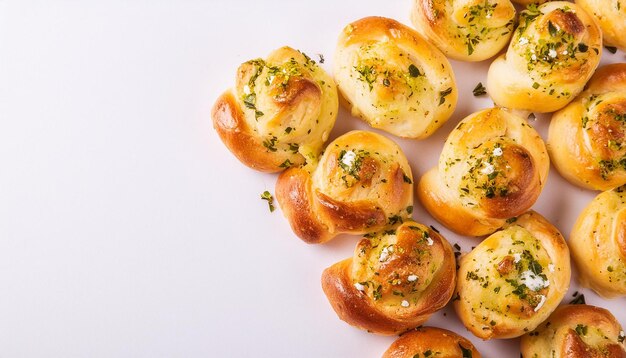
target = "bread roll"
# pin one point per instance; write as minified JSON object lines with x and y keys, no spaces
{"x":431,"y":342}
{"x":493,"y":167}
{"x":587,"y":139}
{"x":611,"y":15}
{"x":279,"y":113}
{"x":553,"y":53}
{"x":574,"y":331}
{"x":598,"y":244}
{"x":514,"y":279}
{"x":394,"y":281}
{"x":363,"y":183}
{"x":466,"y":30}
{"x":394,"y":79}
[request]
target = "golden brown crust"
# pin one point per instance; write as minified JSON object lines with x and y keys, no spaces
{"x":279,"y":113}
{"x":229,"y":122}
{"x":362,"y":183}
{"x":575,"y":331}
{"x":393,"y":79}
{"x":441,"y":343}
{"x":552,"y":54}
{"x":295,"y":184}
{"x":587,"y":139}
{"x":465,"y":30}
{"x":395,"y":280}
{"x":497,"y":298}
{"x":611,"y":16}
{"x":492,"y":167}
{"x":598,"y":245}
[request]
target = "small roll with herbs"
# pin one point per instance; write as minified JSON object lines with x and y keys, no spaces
{"x":598,"y":244}
{"x":514,"y":279}
{"x":362,"y":183}
{"x":553,"y":53}
{"x":574,"y":331}
{"x":587,"y":139}
{"x":466,"y":30}
{"x":395,"y":280}
{"x":611,"y":15}
{"x":279,"y":113}
{"x":431,"y":342}
{"x":394,"y":79}
{"x":493,"y":167}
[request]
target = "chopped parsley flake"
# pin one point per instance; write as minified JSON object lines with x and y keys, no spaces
{"x":479,"y":90}
{"x":270,"y":200}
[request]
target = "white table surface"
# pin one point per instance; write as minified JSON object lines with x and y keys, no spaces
{"x":128,"y":230}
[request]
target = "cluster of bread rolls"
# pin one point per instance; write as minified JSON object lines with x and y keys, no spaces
{"x":491,"y":171}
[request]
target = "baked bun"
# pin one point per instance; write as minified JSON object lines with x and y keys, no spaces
{"x":441,"y":343}
{"x":394,"y":79}
{"x":395,"y":280}
{"x":611,"y":15}
{"x":598,"y":244}
{"x":514,"y":279}
{"x":280,"y":112}
{"x":493,"y":167}
{"x":466,"y":30}
{"x":587,"y":139}
{"x":576,"y":331}
{"x":362,"y":183}
{"x":554,"y":51}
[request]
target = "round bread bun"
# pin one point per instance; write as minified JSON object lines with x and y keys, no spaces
{"x":553,"y":53}
{"x":279,"y":113}
{"x":493,"y":167}
{"x":611,"y":15}
{"x":394,"y":281}
{"x":466,"y":30}
{"x":431,"y":342}
{"x":587,"y":139}
{"x":394,"y":79}
{"x":574,"y":331}
{"x":598,"y":244}
{"x":514,"y":279}
{"x":362,"y":183}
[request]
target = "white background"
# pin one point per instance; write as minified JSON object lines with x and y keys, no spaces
{"x":128,"y":230}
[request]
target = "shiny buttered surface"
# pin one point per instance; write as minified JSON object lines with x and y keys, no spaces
{"x":514,"y":279}
{"x":467,"y":30}
{"x":394,"y":79}
{"x":394,"y":281}
{"x":576,"y":331}
{"x":362,"y":183}
{"x":493,"y":167}
{"x":431,"y":342}
{"x":587,"y":139}
{"x":553,"y":52}
{"x":598,"y":244}
{"x":279,"y":113}
{"x":611,"y":15}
